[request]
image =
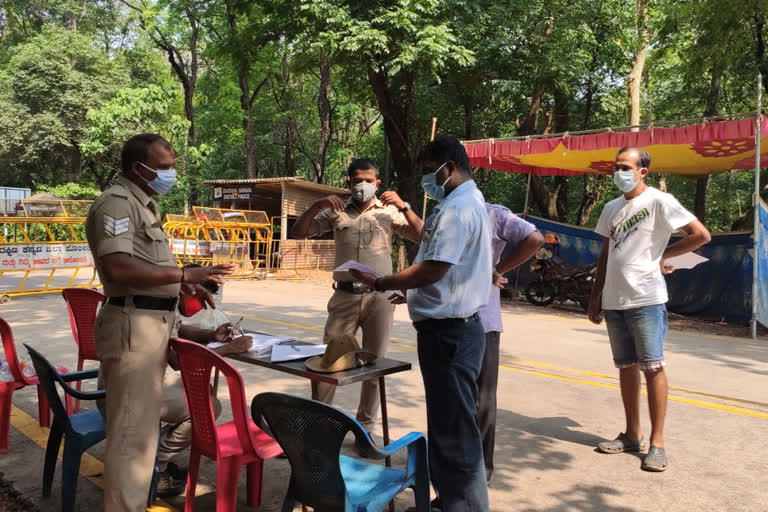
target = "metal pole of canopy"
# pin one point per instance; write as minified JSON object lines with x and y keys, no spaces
{"x":431,"y":138}
{"x":527,"y":192}
{"x":756,"y":205}
{"x":525,"y":215}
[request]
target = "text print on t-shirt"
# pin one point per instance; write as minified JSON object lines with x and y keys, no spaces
{"x":622,"y":229}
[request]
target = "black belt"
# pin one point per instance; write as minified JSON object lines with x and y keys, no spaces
{"x":146,"y":302}
{"x":446,"y":322}
{"x":355,"y":287}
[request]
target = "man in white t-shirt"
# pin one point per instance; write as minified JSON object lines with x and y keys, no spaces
{"x":631,"y":291}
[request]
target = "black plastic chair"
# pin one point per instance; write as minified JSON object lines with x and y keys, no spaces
{"x":311,"y":434}
{"x":80,"y":431}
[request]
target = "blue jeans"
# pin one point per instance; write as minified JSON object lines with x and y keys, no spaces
{"x":637,"y":336}
{"x":450,"y":356}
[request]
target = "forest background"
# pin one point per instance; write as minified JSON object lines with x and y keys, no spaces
{"x":270,"y":88}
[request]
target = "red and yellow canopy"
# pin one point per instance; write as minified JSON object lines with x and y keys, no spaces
{"x":696,"y":150}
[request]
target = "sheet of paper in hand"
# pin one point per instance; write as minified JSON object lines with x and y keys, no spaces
{"x":684,"y":261}
{"x":285,"y":352}
{"x":344,"y":267}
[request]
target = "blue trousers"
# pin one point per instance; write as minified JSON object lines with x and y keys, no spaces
{"x":450,"y":356}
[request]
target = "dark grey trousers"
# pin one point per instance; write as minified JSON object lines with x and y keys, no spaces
{"x":487,"y":383}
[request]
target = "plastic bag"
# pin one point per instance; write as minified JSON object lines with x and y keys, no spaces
{"x":5,"y":371}
{"x":28,"y":369}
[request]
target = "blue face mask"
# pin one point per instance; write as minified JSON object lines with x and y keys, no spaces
{"x":164,"y":180}
{"x":625,"y":180}
{"x":431,"y":188}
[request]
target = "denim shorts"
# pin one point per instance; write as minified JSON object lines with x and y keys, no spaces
{"x":637,"y":336}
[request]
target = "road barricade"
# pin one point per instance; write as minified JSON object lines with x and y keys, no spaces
{"x":218,"y":235}
{"x":43,"y":248}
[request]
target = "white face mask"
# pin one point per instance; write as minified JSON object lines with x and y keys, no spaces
{"x":430,"y":186}
{"x":363,"y":191}
{"x":164,"y":180}
{"x":625,"y":180}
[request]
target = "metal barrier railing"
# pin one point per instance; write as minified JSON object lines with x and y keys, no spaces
{"x":218,"y":235}
{"x":43,"y":248}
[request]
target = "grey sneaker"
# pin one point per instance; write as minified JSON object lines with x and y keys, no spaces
{"x":656,"y":460}
{"x":622,"y":443}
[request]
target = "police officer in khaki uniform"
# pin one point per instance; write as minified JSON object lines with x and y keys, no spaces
{"x":362,"y":230}
{"x":142,"y":283}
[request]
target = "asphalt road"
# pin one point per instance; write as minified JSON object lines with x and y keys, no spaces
{"x":558,"y":396}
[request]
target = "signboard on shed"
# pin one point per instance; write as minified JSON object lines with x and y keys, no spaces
{"x":233,"y":193}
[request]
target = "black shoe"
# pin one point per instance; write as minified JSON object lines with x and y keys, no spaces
{"x":177,"y":472}
{"x":488,"y":475}
{"x":360,"y":446}
{"x":168,"y":485}
{"x":434,"y":505}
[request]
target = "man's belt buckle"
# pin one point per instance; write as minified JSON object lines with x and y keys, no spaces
{"x":360,"y":288}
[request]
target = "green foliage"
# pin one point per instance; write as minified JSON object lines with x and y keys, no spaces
{"x":70,"y":191}
{"x":78,"y":78}
{"x":47,"y":86}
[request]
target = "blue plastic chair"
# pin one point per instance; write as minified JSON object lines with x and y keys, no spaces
{"x":80,"y":431}
{"x":311,"y":434}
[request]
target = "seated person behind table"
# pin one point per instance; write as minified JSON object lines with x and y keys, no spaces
{"x":176,"y":431}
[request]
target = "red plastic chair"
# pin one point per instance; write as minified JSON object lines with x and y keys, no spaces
{"x":19,"y":381}
{"x":232,"y":445}
{"x":83,"y":303}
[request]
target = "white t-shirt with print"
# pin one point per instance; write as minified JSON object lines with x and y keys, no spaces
{"x":638,"y":231}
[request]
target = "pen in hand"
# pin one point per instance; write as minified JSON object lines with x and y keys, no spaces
{"x":234,"y":329}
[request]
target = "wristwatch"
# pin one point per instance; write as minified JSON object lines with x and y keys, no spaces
{"x":406,"y":207}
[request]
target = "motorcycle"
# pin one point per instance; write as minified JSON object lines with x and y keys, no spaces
{"x":557,"y":281}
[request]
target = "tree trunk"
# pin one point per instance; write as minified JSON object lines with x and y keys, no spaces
{"x":191,"y":78}
{"x":593,"y":188}
{"x":638,"y":61}
{"x":250,"y":143}
{"x":700,"y":199}
{"x":324,"y":113}
{"x":762,"y":61}
{"x":532,"y":119}
{"x":546,"y":200}
{"x":562,"y":118}
{"x":246,"y":100}
{"x":290,"y":155}
{"x":589,"y":100}
{"x":396,"y":130}
{"x":468,"y":102}
{"x":75,"y":168}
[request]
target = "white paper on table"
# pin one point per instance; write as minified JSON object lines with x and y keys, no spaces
{"x":282,"y":353}
{"x":261,"y":343}
{"x":684,"y":261}
{"x":344,"y":267}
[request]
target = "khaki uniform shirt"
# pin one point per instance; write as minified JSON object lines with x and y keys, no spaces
{"x":365,"y":237}
{"x":125,"y":219}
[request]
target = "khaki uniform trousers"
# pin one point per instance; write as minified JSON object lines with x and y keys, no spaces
{"x":132,"y":345}
{"x":346,"y":313}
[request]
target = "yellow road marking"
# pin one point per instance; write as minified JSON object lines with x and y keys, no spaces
{"x":90,"y":467}
{"x":673,"y":331}
{"x":698,"y":403}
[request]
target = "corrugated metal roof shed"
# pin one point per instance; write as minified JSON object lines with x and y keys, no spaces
{"x":278,"y":181}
